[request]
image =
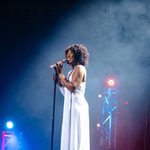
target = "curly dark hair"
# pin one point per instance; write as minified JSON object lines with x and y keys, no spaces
{"x":81,"y":53}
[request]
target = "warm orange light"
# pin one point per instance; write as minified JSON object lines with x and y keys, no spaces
{"x":111,"y":83}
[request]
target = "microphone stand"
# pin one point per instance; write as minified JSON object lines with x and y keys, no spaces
{"x":55,"y":78}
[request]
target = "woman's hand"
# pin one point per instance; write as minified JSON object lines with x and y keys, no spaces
{"x":59,"y":67}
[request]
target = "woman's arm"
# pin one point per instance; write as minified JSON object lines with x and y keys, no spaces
{"x":77,"y":78}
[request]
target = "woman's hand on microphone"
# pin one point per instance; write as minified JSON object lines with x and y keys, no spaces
{"x":59,"y":67}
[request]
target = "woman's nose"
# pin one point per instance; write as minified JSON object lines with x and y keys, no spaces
{"x":68,"y":56}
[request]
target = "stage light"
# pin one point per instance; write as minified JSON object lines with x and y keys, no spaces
{"x":126,"y":103}
{"x":99,"y":96}
{"x":9,"y":124}
{"x":98,"y":125}
{"x":110,"y":82}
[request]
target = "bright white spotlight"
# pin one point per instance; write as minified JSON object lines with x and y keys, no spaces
{"x":98,"y":125}
{"x":9,"y":124}
{"x":99,"y":96}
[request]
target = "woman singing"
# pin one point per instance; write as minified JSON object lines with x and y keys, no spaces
{"x":75,"y":125}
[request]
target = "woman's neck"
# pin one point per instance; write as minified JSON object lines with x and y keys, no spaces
{"x":74,"y":65}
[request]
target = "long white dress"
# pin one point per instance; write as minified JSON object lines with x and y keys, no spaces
{"x":75,"y":125}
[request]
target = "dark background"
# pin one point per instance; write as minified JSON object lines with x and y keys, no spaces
{"x":25,"y":24}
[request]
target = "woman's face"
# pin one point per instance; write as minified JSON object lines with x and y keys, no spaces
{"x":70,"y":57}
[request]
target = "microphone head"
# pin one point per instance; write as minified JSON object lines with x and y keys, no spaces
{"x":54,"y":65}
{"x":64,"y":60}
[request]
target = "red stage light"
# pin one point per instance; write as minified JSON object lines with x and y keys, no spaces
{"x":126,"y":103}
{"x":111,"y":83}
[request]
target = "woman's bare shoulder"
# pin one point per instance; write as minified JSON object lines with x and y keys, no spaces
{"x":80,"y":68}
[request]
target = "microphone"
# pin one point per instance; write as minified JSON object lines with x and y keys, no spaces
{"x":54,"y":65}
